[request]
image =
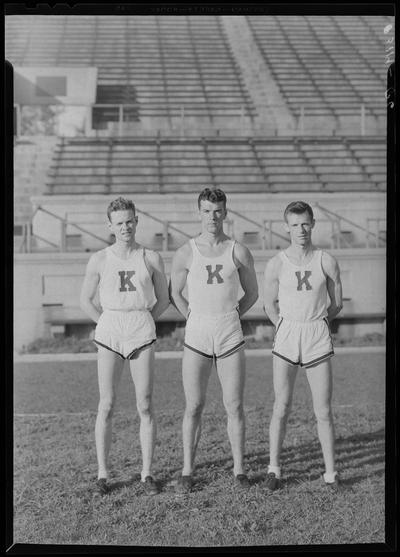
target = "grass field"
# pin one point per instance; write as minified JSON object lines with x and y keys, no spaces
{"x":55,"y":462}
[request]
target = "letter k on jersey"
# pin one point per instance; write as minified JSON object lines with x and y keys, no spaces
{"x":214,"y":274}
{"x":125,"y":281}
{"x":304,"y":280}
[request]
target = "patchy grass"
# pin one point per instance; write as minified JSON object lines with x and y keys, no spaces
{"x":72,"y":344}
{"x":55,"y":463}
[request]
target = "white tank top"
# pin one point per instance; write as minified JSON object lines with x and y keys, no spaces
{"x":126,"y":284}
{"x":213,"y":282}
{"x":302,"y":294}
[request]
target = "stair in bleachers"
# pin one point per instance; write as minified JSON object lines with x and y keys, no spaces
{"x":236,"y":165}
{"x":32,"y":158}
{"x":273,"y":113}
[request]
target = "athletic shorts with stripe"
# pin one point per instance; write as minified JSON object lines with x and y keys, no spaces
{"x":304,"y":344}
{"x":214,"y":336}
{"x":125,"y":332}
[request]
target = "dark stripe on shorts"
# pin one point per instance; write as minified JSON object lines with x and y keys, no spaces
{"x":286,"y":359}
{"x":329,"y":330}
{"x":279,"y":324}
{"x":317,"y":360}
{"x":108,"y":348}
{"x":198,"y":351}
{"x":136,"y":350}
{"x":231,"y":350}
{"x":276,"y":330}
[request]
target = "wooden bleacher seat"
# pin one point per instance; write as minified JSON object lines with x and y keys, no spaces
{"x":126,"y":166}
{"x":309,"y":56}
{"x":150,"y":71}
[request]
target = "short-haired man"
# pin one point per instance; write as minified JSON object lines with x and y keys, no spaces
{"x":213,"y":266}
{"x":298,"y":283}
{"x":133,"y":291}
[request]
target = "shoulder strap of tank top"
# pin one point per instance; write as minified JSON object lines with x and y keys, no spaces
{"x":108,"y":251}
{"x":195,"y":249}
{"x":232,"y":252}
{"x":146,"y":263}
{"x":319,"y":255}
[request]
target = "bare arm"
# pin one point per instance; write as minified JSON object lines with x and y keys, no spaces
{"x":271,"y":288}
{"x":333,"y":283}
{"x":156,"y":268}
{"x":247,"y":276}
{"x":179,"y":271}
{"x":89,"y":288}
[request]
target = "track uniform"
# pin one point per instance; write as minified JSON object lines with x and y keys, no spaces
{"x":213,"y":326}
{"x":302,"y":334}
{"x":126,"y":295}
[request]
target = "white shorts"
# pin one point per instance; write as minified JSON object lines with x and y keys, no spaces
{"x":303,"y":344}
{"x":214,"y":336}
{"x":125,"y":332}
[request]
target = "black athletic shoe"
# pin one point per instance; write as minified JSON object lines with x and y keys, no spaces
{"x":335,"y":486}
{"x":184,"y":484}
{"x":150,"y":486}
{"x":242,"y":481}
{"x":102,"y":487}
{"x":272,"y":482}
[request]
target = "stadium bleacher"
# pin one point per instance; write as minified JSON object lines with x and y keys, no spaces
{"x":164,"y":64}
{"x":126,"y":165}
{"x":179,"y":105}
{"x":330,"y":65}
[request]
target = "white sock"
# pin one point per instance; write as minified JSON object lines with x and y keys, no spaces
{"x":144,"y":475}
{"x":275,"y":469}
{"x":102,"y":474}
{"x":330,"y":478}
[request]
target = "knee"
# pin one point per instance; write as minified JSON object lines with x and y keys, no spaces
{"x":234,"y":408}
{"x":194,"y":409}
{"x":144,"y":407}
{"x":106,"y":407}
{"x":323,"y":414}
{"x":281,"y":408}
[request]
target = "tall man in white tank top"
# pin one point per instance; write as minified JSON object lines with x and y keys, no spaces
{"x":303,"y":292}
{"x":212,"y":266}
{"x":132,"y":292}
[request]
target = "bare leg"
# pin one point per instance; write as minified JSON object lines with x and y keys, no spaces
{"x":284,"y":376}
{"x":110,"y":367}
{"x":231,"y":373}
{"x":196,"y":371}
{"x":320,"y":381}
{"x":142,"y":371}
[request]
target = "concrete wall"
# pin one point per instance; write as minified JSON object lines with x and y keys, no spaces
{"x":41,"y":279}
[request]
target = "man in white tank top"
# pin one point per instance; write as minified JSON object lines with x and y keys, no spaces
{"x":212,"y":267}
{"x":303,"y":292}
{"x":133,"y":291}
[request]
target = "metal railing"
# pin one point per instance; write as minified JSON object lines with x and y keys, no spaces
{"x":379,"y":224}
{"x":340,"y":237}
{"x":180,"y":112}
{"x":266,"y":235}
{"x":62,"y":246}
{"x":265,"y":228}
